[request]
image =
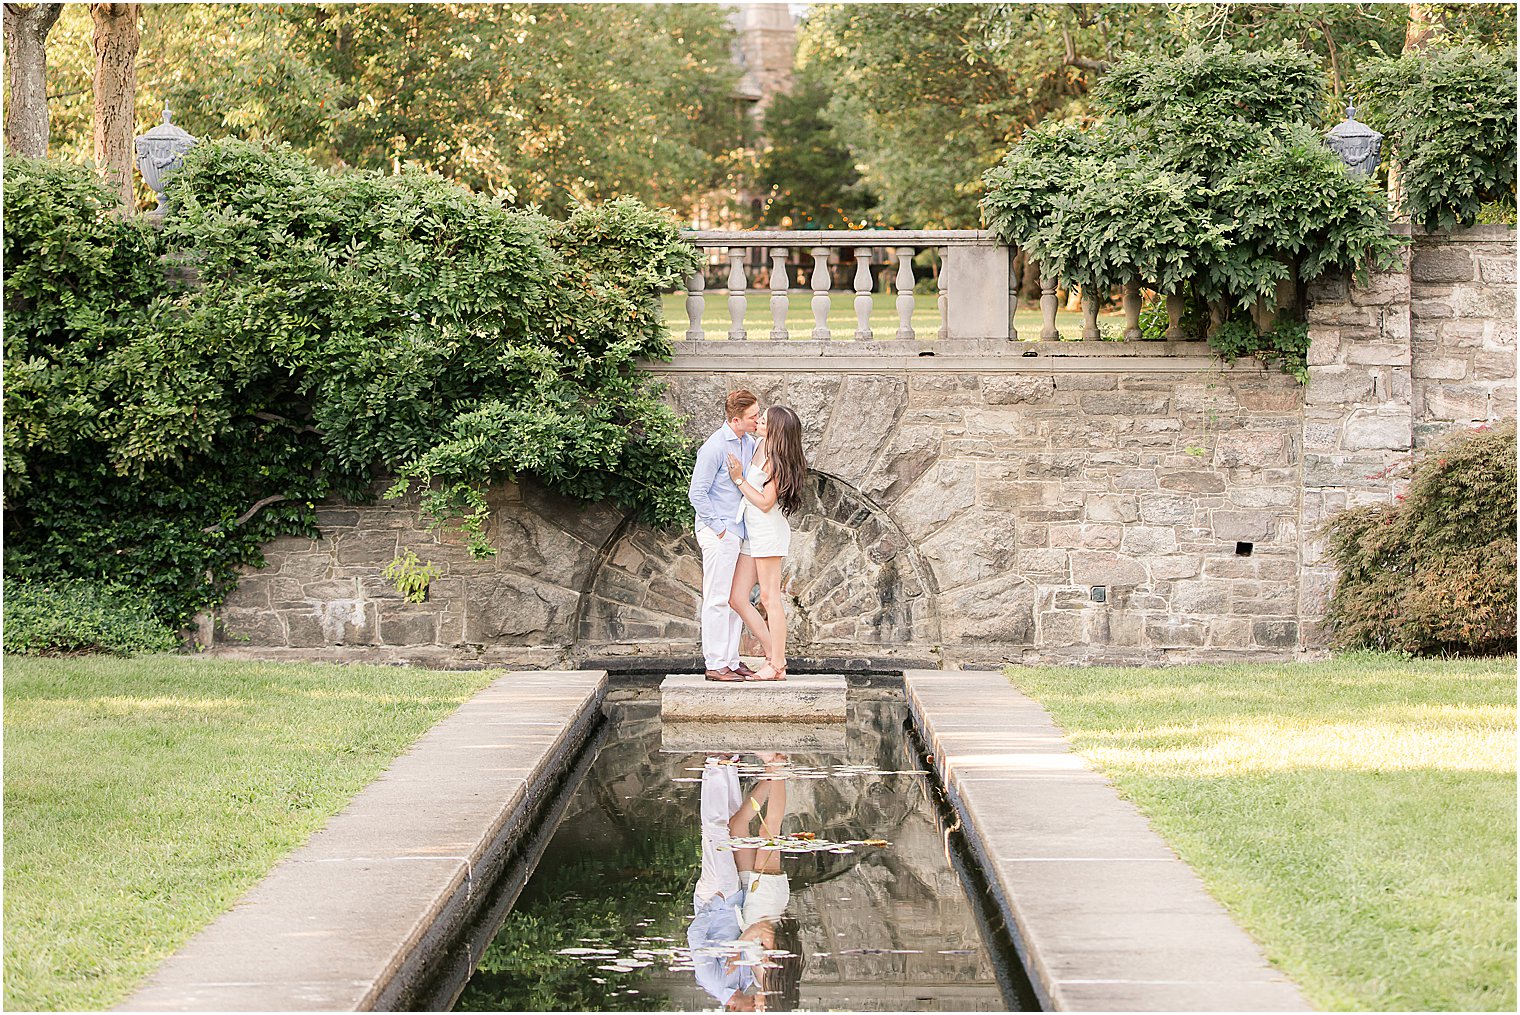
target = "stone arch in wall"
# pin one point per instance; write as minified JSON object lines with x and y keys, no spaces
{"x":855,"y":587}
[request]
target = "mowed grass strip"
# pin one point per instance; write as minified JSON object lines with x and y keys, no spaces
{"x":1357,"y":816}
{"x":143,"y":796}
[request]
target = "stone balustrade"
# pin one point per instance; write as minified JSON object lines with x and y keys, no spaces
{"x":976,"y":291}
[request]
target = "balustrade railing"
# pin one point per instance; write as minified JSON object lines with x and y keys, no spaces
{"x":976,"y":292}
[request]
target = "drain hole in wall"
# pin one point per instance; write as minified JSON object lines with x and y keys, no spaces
{"x":1242,"y":549}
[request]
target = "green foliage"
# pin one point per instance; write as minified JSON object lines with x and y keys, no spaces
{"x":808,"y":173}
{"x":411,"y":576}
{"x":1285,"y":343}
{"x":1449,"y":120}
{"x":1436,"y":572}
{"x":73,"y":615}
{"x":534,"y":102}
{"x":345,"y":327}
{"x":1208,"y":177}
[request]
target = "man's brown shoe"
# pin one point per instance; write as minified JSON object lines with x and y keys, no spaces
{"x":743,"y":671}
{"x":726,"y":675}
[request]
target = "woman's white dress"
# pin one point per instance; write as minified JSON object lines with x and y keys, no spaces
{"x":770,"y":535}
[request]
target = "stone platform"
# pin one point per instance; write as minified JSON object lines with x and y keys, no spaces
{"x":815,"y":698}
{"x":739,"y":736}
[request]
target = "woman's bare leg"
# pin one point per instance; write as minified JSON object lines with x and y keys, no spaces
{"x":768,"y":570}
{"x":768,"y":861}
{"x":744,"y":581}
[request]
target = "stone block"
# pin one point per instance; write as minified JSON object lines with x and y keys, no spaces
{"x":1463,"y":334}
{"x":1192,"y":481}
{"x":973,"y":547}
{"x":1484,"y":301}
{"x":1125,"y":404}
{"x":1275,"y":633}
{"x":1377,"y":354}
{"x":1103,"y":567}
{"x":1086,"y":382}
{"x":1496,"y":365}
{"x":1253,"y":448}
{"x":1204,"y":398}
{"x":1447,"y":263}
{"x":1382,"y":288}
{"x":508,"y":608}
{"x":1263,"y":496}
{"x":1147,"y":540}
{"x":1173,"y":567}
{"x":258,"y":626}
{"x":941,"y":493}
{"x":1324,"y":346}
{"x":912,"y":451}
{"x":1229,"y":632}
{"x":1055,"y":465}
{"x":1042,"y":561}
{"x":1277,"y":396}
{"x":1111,"y":507}
{"x":1322,"y":436}
{"x":336,"y":517}
{"x":1374,"y":429}
{"x":1200,"y":597}
{"x":1001,"y":610}
{"x":1174,"y":633}
{"x":1136,"y":479}
{"x":1016,"y":389}
{"x":1329,"y":288}
{"x":1497,"y":270}
{"x":405,"y":627}
{"x":1247,"y":526}
{"x":1430,"y":309}
{"x":1338,"y":385}
{"x":800,"y":698}
{"x":1456,"y":402}
{"x":1167,"y":509}
{"x":1058,"y":629}
{"x":330,"y":589}
{"x":366,"y":547}
{"x":1446,"y":368}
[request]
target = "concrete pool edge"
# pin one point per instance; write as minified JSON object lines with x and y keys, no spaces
{"x":358,"y":917}
{"x":1104,"y":916}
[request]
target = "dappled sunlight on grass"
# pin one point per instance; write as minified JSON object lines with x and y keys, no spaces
{"x":1356,"y":815}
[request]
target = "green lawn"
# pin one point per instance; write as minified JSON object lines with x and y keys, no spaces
{"x":799,"y":316}
{"x":144,"y":796}
{"x":1357,"y":816}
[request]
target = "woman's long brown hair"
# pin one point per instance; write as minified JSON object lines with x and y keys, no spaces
{"x":783,"y":444}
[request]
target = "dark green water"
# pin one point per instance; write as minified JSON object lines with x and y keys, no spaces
{"x":876,"y":919}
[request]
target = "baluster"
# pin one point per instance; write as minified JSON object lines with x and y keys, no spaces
{"x":1090,"y":331}
{"x":1048,"y":301}
{"x":905,"y":292}
{"x":1131,"y":311}
{"x":1014,"y":288}
{"x":862,"y":294}
{"x":779,"y":286}
{"x":736,"y":286}
{"x":696,"y":303}
{"x":944,"y":293}
{"x":1174,"y":308}
{"x":821,"y":292}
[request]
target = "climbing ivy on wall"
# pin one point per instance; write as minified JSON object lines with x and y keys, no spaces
{"x":345,"y":327}
{"x":1208,"y":172}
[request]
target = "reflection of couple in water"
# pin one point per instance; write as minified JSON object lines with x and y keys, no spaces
{"x":739,"y":930}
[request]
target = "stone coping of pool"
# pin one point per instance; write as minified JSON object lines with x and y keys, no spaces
{"x":1103,"y":913}
{"x":354,"y":919}
{"x":810,"y":698}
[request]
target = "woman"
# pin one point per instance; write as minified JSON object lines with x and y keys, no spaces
{"x":772,"y":489}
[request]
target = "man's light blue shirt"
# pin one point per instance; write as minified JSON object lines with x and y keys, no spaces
{"x":713,"y":494}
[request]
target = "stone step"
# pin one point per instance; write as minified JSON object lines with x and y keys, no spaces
{"x":743,"y":736}
{"x":813,"y":698}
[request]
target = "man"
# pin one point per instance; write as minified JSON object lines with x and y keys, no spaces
{"x":720,"y":533}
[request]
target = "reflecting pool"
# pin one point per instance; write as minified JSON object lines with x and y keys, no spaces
{"x":749,"y":866}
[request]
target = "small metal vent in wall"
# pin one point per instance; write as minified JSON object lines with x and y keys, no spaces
{"x":1100,"y":593}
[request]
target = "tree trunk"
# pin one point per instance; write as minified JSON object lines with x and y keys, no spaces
{"x":115,"y":41}
{"x":26,"y":115}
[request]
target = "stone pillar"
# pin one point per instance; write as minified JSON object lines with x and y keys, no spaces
{"x":979,"y":307}
{"x":1358,"y":416}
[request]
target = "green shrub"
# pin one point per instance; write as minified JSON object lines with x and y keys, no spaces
{"x":346,"y":325}
{"x":1434,"y":573}
{"x":1449,"y":120}
{"x":1209,"y":177}
{"x":50,"y":618}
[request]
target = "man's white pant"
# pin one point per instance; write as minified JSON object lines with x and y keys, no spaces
{"x":721,"y":626}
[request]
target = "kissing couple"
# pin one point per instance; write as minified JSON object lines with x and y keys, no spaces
{"x":742,"y":489}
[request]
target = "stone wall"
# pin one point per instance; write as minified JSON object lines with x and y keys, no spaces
{"x":972,"y":502}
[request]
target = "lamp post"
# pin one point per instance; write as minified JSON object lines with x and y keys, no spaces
{"x":158,"y":151}
{"x":1357,"y":144}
